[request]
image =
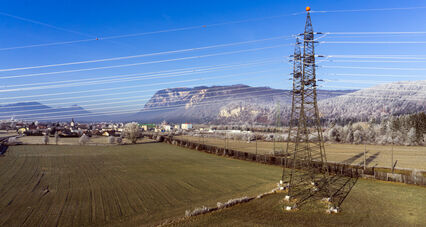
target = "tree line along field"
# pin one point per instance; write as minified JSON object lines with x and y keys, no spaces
{"x":147,"y":184}
{"x":142,"y":184}
{"x":412,"y":157}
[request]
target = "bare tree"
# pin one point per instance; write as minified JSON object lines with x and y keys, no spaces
{"x":131,"y":131}
{"x":84,"y":139}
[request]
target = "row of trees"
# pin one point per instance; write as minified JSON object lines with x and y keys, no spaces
{"x":402,"y":130}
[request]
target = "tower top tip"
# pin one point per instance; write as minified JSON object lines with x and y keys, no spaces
{"x":308,"y":9}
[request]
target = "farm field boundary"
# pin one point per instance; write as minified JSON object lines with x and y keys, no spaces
{"x":407,"y":176}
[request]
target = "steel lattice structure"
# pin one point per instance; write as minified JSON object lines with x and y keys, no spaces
{"x":305,"y":154}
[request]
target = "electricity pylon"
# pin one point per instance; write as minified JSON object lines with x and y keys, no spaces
{"x":305,"y":154}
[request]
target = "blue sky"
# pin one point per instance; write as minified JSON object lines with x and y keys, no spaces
{"x":80,"y":20}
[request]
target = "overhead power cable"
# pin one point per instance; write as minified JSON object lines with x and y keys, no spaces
{"x":371,"y":75}
{"x":374,"y":42}
{"x":99,"y":38}
{"x":145,"y":55}
{"x":104,"y":94}
{"x":178,"y":105}
{"x":367,"y":10}
{"x":375,"y":68}
{"x":181,"y":105}
{"x":135,"y":77}
{"x":148,"y":62}
{"x":132,"y":86}
{"x":98,"y":101}
{"x":375,"y":61}
{"x":220,"y":90}
{"x":373,"y":33}
{"x":401,"y":57}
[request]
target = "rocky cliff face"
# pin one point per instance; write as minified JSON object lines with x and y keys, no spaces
{"x":221,"y":104}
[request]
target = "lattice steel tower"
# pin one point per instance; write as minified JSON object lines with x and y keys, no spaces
{"x":305,"y":154}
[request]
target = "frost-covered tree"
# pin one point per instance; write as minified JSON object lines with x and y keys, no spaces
{"x":349,"y":133}
{"x":84,"y":139}
{"x":358,"y":136}
{"x":334,"y":134}
{"x":56,"y":138}
{"x":131,"y":131}
{"x":412,"y":136}
{"x":45,"y":139}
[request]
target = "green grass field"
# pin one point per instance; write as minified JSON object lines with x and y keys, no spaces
{"x":370,"y":203}
{"x":147,"y":184}
{"x":413,"y":157}
{"x":130,"y":185}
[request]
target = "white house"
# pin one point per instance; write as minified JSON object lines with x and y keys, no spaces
{"x":167,"y":128}
{"x":186,"y":126}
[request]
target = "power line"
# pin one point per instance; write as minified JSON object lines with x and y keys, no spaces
{"x":203,"y":103}
{"x":144,"y":55}
{"x":165,"y":72}
{"x":148,"y":62}
{"x":207,"y":103}
{"x":413,"y":57}
{"x":170,"y":106}
{"x":376,"y":68}
{"x":209,"y":97}
{"x":178,"y":29}
{"x":366,"y":10}
{"x":374,"y":42}
{"x":220,"y":89}
{"x":132,"y":78}
{"x":374,"y":61}
{"x":100,"y":95}
{"x":214,"y":96}
{"x":133,"y":86}
{"x":143,"y":33}
{"x":373,"y":33}
{"x":370,"y":75}
{"x":44,"y":24}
